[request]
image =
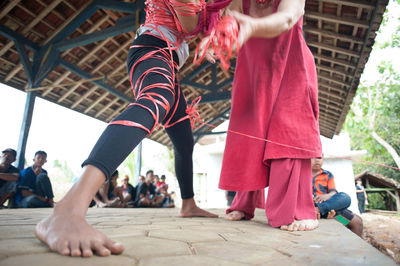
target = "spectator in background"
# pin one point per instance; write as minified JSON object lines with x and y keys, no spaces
{"x":361,"y":195}
{"x":162,"y":187}
{"x":109,"y":194}
{"x":330,"y":203}
{"x":128,"y":192}
{"x":9,"y":175}
{"x":141,"y":180}
{"x":34,"y":187}
{"x":230,"y":195}
{"x":156,"y":180}
{"x":146,"y":194}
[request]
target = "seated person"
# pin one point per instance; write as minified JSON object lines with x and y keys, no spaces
{"x":9,"y":175}
{"x":141,"y":180}
{"x":328,"y":202}
{"x":107,"y":196}
{"x":146,"y":194}
{"x":34,"y":187}
{"x":162,"y":188}
{"x":128,"y":192}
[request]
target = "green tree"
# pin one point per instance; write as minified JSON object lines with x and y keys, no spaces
{"x":374,"y":119}
{"x":130,"y":164}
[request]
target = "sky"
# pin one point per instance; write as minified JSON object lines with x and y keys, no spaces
{"x":69,"y":136}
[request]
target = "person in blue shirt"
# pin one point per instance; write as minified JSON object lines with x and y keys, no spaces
{"x":34,"y":187}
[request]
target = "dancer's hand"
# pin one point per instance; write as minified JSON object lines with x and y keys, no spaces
{"x":247,"y":26}
{"x":209,"y":53}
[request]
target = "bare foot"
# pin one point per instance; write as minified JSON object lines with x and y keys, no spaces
{"x":318,"y":211}
{"x":190,"y":209}
{"x":301,"y":225}
{"x":234,"y":216}
{"x":331,"y":214}
{"x":73,"y":236}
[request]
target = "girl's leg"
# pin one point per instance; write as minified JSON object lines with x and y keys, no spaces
{"x":66,"y":230}
{"x":182,"y":138}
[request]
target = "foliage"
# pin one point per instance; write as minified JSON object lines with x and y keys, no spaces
{"x":376,"y":108}
{"x":130,"y":165}
{"x":376,"y":201}
{"x":67,"y":172}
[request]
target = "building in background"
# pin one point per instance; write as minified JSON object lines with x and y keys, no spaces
{"x":208,"y":155}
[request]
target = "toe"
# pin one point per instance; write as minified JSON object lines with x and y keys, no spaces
{"x":284,"y":227}
{"x":86,"y":249}
{"x":100,"y":249}
{"x":62,"y":247}
{"x":114,"y":247}
{"x":301,"y":227}
{"x":75,"y":248}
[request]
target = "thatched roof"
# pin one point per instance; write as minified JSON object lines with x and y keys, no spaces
{"x":79,"y":39}
{"x":378,"y":180}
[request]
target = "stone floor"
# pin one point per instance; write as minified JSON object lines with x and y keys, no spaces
{"x":159,"y":237}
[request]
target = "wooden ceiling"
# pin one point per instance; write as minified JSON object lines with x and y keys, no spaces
{"x":77,"y":51}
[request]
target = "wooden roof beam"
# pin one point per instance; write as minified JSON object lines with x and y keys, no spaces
{"x":358,"y":3}
{"x":337,"y":19}
{"x":332,"y":34}
{"x":336,"y":61}
{"x":334,"y":49}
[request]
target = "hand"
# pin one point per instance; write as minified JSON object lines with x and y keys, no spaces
{"x":209,"y":53}
{"x":246,"y":26}
{"x":322,"y":198}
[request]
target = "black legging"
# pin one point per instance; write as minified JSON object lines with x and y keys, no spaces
{"x":118,"y":141}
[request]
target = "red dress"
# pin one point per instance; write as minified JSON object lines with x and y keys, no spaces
{"x":274,"y":97}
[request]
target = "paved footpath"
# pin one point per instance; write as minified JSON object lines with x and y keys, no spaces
{"x":159,"y":237}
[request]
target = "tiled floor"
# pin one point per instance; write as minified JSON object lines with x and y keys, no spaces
{"x":160,"y":237}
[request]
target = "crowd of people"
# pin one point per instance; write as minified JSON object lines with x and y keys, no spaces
{"x":31,"y":187}
{"x":150,"y":191}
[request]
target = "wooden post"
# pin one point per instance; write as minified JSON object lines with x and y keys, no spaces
{"x":25,"y":127}
{"x":138,"y":162}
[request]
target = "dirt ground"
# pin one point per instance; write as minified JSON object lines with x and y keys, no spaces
{"x":382,"y":230}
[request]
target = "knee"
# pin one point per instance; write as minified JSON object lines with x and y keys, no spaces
{"x":345,"y":199}
{"x":356,"y":225}
{"x":185,"y":148}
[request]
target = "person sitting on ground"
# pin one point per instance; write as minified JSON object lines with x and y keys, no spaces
{"x":156,"y":180}
{"x":162,"y":188}
{"x":109,"y":194}
{"x":34,"y":187}
{"x":329,"y":202}
{"x":361,"y":196}
{"x":141,"y":180}
{"x":128,"y":192}
{"x":146,"y":194}
{"x":9,"y":175}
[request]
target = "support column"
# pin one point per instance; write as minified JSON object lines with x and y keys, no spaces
{"x":138,"y":162}
{"x":25,"y":127}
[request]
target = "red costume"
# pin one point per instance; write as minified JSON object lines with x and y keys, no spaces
{"x":274,"y":97}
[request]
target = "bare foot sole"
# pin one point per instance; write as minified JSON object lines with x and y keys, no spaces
{"x":73,"y":236}
{"x":301,"y":225}
{"x":234,"y":216}
{"x":196,"y":212}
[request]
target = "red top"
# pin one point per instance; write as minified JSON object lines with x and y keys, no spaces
{"x":274,"y":97}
